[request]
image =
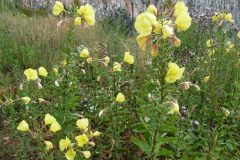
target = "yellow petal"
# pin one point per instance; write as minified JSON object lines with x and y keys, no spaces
{"x":152,"y":9}
{"x":31,"y":74}
{"x":128,"y":58}
{"x":23,"y":126}
{"x":179,"y":8}
{"x":84,"y":53}
{"x":82,"y":123}
{"x":87,"y":13}
{"x":57,"y":8}
{"x":64,"y":144}
{"x":49,"y":145}
{"x":117,"y":67}
{"x":183,"y":21}
{"x":26,"y":100}
{"x":120,"y":98}
{"x":55,"y":126}
{"x":49,"y":119}
{"x":142,"y":41}
{"x":42,"y":71}
{"x":77,"y":21}
{"x":86,"y":154}
{"x":70,"y":154}
{"x":81,"y":140}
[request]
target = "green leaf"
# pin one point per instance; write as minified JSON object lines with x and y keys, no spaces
{"x":143,"y":144}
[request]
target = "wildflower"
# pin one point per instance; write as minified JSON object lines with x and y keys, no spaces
{"x":117,"y":67}
{"x":216,"y":17}
{"x":77,"y":21}
{"x":142,"y":41}
{"x":64,"y":144}
{"x":176,"y":41}
{"x":167,"y":31}
{"x":128,"y":58}
{"x":120,"y":98}
{"x":206,"y":79}
{"x":31,"y":74}
{"x":174,"y":73}
{"x":89,"y":60}
{"x":42,"y":72}
{"x":26,"y":100}
{"x":55,"y":126}
{"x":49,"y":145}
{"x":209,"y":43}
{"x":82,"y":123}
{"x":86,"y":154}
{"x":41,"y":100}
{"x":174,"y":108}
{"x":84,"y":53}
{"x":144,"y":23}
{"x":81,"y":140}
{"x":70,"y":154}
{"x":154,"y":50}
{"x":106,"y":59}
{"x":55,"y":70}
{"x":87,"y":13}
{"x":183,"y":21}
{"x":226,"y":112}
{"x":180,"y":8}
{"x":23,"y":126}
{"x":211,"y":52}
{"x":152,"y":9}
{"x":96,"y":134}
{"x":228,"y":17}
{"x":57,"y":8}
{"x":49,"y":119}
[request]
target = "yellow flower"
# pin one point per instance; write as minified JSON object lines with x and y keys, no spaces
{"x":142,"y":41}
{"x":183,"y":21}
{"x":57,"y":8}
{"x":77,"y":21}
{"x":106,"y":59}
{"x":49,"y":145}
{"x":117,"y":67}
{"x":216,"y":17}
{"x":128,"y":58}
{"x":49,"y":119}
{"x":87,"y":13}
{"x":31,"y":74}
{"x":174,"y":73}
{"x":206,"y":79}
{"x":96,"y":134}
{"x":179,"y":8}
{"x":238,"y":34}
{"x":152,"y":9}
{"x":64,"y":144}
{"x":23,"y":126}
{"x":120,"y":98}
{"x":70,"y":154}
{"x":228,"y":17}
{"x":230,"y":45}
{"x":55,"y":70}
{"x":209,"y":43}
{"x":84,"y":53}
{"x":42,"y":72}
{"x":89,"y":60}
{"x":176,"y":41}
{"x":81,"y":140}
{"x":82,"y":123}
{"x":226,"y":112}
{"x":86,"y":154}
{"x":55,"y":126}
{"x":41,"y":100}
{"x":26,"y":100}
{"x":167,"y":31}
{"x":144,"y":23}
{"x":174,"y":108}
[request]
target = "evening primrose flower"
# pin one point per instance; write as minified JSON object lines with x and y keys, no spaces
{"x":106,"y":59}
{"x":82,"y":123}
{"x":49,"y":119}
{"x":167,"y":31}
{"x":31,"y":74}
{"x":152,"y":9}
{"x":228,"y":17}
{"x":23,"y":126}
{"x":81,"y":140}
{"x":206,"y":79}
{"x":209,"y":43}
{"x":41,"y":100}
{"x":57,"y":8}
{"x":142,"y":41}
{"x":77,"y":21}
{"x":183,"y":21}
{"x":55,"y":70}
{"x":55,"y":126}
{"x":179,"y":8}
{"x":117,"y":67}
{"x":89,"y":60}
{"x":174,"y":108}
{"x":26,"y":100}
{"x":70,"y":154}
{"x":128,"y":58}
{"x":144,"y":23}
{"x":87,"y":13}
{"x":86,"y":154}
{"x":84,"y":53}
{"x":174,"y":73}
{"x":49,"y":145}
{"x":96,"y":134}
{"x":120,"y":98}
{"x":64,"y":144}
{"x":42,"y":72}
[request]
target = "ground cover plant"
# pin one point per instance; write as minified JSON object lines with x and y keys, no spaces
{"x":73,"y":87}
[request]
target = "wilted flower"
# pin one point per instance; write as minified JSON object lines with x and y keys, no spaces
{"x":142,"y":41}
{"x":23,"y":126}
{"x":185,"y":85}
{"x":226,"y":112}
{"x":106,"y":59}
